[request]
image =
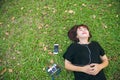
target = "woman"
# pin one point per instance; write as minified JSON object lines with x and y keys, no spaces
{"x":86,"y":59}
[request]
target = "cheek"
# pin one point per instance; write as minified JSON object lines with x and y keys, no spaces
{"x":79,"y":33}
{"x":88,"y":34}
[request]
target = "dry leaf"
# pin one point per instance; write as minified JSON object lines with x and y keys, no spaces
{"x":6,"y":33}
{"x":54,"y":10}
{"x":109,"y":5}
{"x":104,"y":25}
{"x":51,"y":61}
{"x":50,"y":53}
{"x":94,"y":16}
{"x":18,"y":52}
{"x":40,"y":26}
{"x":0,"y":23}
{"x":14,"y":58}
{"x":43,"y":69}
{"x":66,"y":11}
{"x":13,"y":18}
{"x":64,"y":28}
{"x":0,"y":60}
{"x":46,"y":7}
{"x":46,"y":25}
{"x":10,"y":70}
{"x":22,"y":8}
{"x":116,"y":15}
{"x":75,"y":4}
{"x":37,"y":8}
{"x":45,"y":48}
{"x":3,"y":71}
{"x":84,"y":5}
{"x":30,"y":11}
{"x":71,"y":12}
{"x":80,"y":8}
{"x":18,"y":64}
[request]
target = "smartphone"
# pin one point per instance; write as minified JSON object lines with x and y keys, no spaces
{"x":56,"y":49}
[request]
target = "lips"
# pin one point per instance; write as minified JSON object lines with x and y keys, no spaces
{"x":84,"y":33}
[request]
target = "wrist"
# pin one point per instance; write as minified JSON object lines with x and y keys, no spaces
{"x":101,"y":66}
{"x":80,"y":69}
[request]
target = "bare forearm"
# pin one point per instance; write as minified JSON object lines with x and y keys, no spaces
{"x":105,"y":62}
{"x":72,"y":67}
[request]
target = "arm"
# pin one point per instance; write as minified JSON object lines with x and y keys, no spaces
{"x":104,"y":62}
{"x":98,"y":67}
{"x":69,"y":66}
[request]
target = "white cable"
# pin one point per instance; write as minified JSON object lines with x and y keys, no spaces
{"x":89,"y":54}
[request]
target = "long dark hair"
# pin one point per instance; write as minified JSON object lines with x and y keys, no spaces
{"x":72,"y":33}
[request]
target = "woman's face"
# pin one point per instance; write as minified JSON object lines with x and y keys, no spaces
{"x":82,"y":32}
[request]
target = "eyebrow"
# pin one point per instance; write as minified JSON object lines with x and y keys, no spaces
{"x":82,"y":27}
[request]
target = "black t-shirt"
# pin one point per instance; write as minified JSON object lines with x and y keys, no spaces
{"x":84,"y":54}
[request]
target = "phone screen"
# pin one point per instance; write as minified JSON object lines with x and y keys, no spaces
{"x":56,"y":48}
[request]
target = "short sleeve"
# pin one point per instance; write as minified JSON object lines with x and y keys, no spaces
{"x":69,"y":53}
{"x":101,"y":50}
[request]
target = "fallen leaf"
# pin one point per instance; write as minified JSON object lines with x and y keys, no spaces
{"x":10,"y":70}
{"x":13,"y":18}
{"x":37,"y":8}
{"x":18,"y":52}
{"x":46,"y":25}
{"x":71,"y":12}
{"x":66,"y":11}
{"x":30,"y":11}
{"x":22,"y":8}
{"x":104,"y":25}
{"x":18,"y":64}
{"x":84,"y":5}
{"x":51,"y":61}
{"x":94,"y":16}
{"x":6,"y":33}
{"x":80,"y":8}
{"x":0,"y":23}
{"x":75,"y":4}
{"x":40,"y":26}
{"x":50,"y":53}
{"x":116,"y":15}
{"x":54,"y":10}
{"x":109,"y":5}
{"x":43,"y":69}
{"x":14,"y":58}
{"x":64,"y":28}
{"x":0,"y":60}
{"x":3,"y":71}
{"x":45,"y":48}
{"x":45,"y":7}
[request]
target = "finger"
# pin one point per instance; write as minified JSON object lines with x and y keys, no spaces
{"x":92,"y":65}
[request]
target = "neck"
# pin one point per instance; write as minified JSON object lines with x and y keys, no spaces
{"x":83,"y":41}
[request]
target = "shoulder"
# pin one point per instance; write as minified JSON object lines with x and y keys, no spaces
{"x":72,"y":45}
{"x":95,"y":42}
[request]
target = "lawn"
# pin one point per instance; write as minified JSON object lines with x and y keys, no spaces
{"x":30,"y":28}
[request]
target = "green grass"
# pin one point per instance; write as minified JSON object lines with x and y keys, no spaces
{"x":29,"y":29}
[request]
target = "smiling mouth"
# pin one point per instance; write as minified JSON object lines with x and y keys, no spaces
{"x":84,"y":33}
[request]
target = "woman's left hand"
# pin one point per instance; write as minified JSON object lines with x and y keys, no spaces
{"x":95,"y":68}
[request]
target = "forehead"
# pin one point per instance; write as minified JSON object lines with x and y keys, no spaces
{"x":80,"y":27}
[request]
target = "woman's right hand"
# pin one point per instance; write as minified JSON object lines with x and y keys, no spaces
{"x":86,"y":69}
